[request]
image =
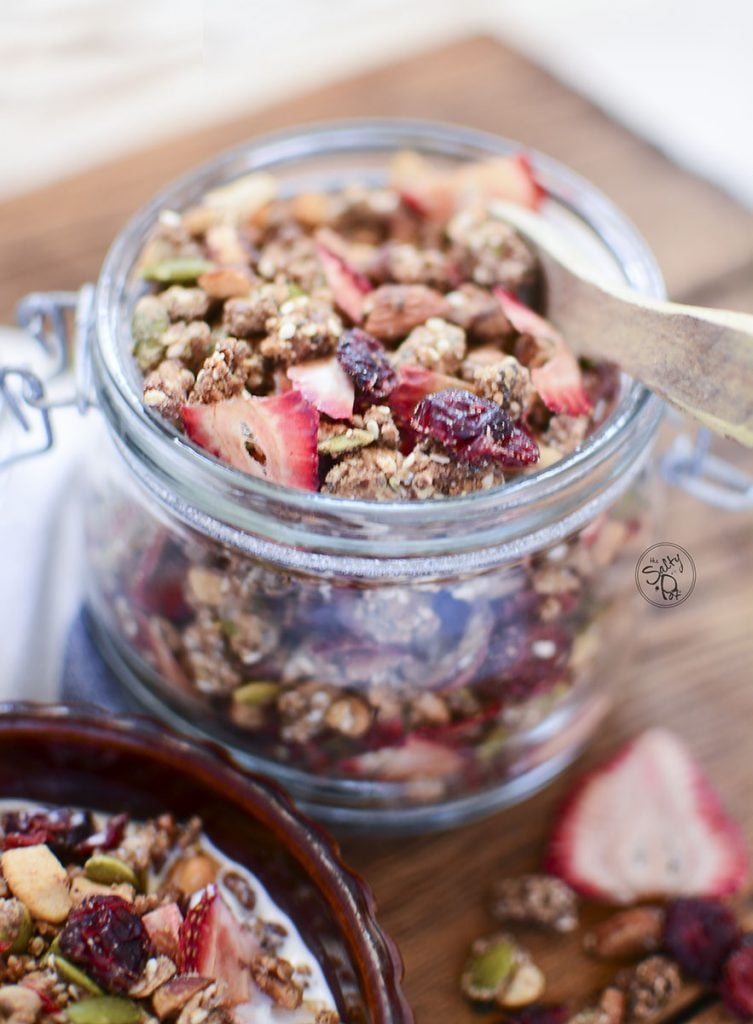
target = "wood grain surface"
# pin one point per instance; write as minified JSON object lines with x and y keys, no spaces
{"x":693,"y":664}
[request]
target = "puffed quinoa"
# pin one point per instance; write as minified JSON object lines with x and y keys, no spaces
{"x":436,"y":345}
{"x":167,"y":388}
{"x":504,"y":381}
{"x":489,"y":250}
{"x":537,"y":899}
{"x":231,"y":368}
{"x":304,"y":328}
{"x":244,"y":317}
{"x":185,"y":303}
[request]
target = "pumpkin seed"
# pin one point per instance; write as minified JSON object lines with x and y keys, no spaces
{"x":177,"y":270}
{"x":101,"y":867}
{"x":350,"y":441}
{"x":256,"y":694}
{"x":104,"y":1010}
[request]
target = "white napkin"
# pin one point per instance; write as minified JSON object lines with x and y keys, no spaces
{"x":40,"y":538}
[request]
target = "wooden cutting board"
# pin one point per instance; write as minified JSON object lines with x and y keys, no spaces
{"x":694,"y":663}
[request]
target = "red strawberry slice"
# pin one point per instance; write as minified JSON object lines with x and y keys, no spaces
{"x":325,"y":384}
{"x":213,"y":944}
{"x":508,"y":178}
{"x":415,"y":383}
{"x":415,"y":759}
{"x":648,"y":823}
{"x":163,"y":926}
{"x":272,"y":438}
{"x":348,"y":286}
{"x":559,"y":381}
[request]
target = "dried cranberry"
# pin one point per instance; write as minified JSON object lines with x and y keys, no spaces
{"x":736,"y":985}
{"x":540,"y":1013}
{"x":699,"y":934}
{"x":59,"y":828}
{"x":107,"y":838}
{"x":473,"y":428}
{"x":107,"y":940}
{"x":365,"y":361}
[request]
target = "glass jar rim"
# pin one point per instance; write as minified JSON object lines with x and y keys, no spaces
{"x":310,"y":529}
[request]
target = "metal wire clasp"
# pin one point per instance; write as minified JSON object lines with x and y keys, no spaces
{"x":691,"y":466}
{"x":46,"y":315}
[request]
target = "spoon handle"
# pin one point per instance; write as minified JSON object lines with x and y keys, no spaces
{"x":698,"y":359}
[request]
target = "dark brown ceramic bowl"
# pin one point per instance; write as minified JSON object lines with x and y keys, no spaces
{"x":77,"y":755}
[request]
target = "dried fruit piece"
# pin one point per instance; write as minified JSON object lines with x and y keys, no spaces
{"x":213,"y":945}
{"x":559,"y":381}
{"x":416,"y":758}
{"x":736,"y":985}
{"x":324,"y":384}
{"x":101,"y":867}
{"x":413,"y":384}
{"x":700,"y":934}
{"x":104,"y":1010}
{"x":536,"y":899}
{"x":177,"y":270}
{"x":105,"y":938}
{"x":242,"y":198}
{"x":37,"y":878}
{"x":473,"y":428}
{"x":629,"y":933}
{"x":349,"y":288}
{"x":648,"y":823}
{"x":62,"y":830}
{"x":271,"y":438}
{"x":365,"y":361}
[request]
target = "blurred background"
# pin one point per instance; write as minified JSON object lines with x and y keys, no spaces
{"x":84,"y":81}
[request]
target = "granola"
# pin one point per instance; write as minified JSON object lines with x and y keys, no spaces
{"x":112,"y":920}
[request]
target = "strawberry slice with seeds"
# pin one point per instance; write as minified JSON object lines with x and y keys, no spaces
{"x":349,"y":287}
{"x":325,"y":384}
{"x":213,"y":944}
{"x":163,"y":927}
{"x":559,"y":381}
{"x":648,"y":824}
{"x":415,"y":759}
{"x":271,"y":438}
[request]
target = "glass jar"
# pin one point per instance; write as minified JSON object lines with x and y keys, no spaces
{"x":398,"y":666}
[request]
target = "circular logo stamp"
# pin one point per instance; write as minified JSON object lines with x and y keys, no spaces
{"x":665,"y":575}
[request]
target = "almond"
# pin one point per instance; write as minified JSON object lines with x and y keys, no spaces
{"x":36,"y":877}
{"x":227,"y":282}
{"x":393,"y":310}
{"x":193,"y":872}
{"x":630,"y":933}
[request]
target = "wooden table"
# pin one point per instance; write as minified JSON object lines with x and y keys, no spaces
{"x":694,"y":665}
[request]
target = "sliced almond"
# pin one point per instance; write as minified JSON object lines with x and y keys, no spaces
{"x":37,"y":878}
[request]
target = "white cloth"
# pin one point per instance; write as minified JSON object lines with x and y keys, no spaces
{"x":40,"y":540}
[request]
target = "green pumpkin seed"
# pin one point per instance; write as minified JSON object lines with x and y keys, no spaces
{"x":70,"y":973}
{"x":490,"y":967}
{"x":256,"y":694}
{"x":177,"y":270}
{"x":15,"y":935}
{"x":350,"y":441}
{"x":107,"y":870}
{"x":148,"y":324}
{"x":104,"y":1010}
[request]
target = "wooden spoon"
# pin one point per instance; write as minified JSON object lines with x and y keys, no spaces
{"x":700,"y":360}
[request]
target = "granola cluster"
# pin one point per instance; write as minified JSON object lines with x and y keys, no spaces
{"x":256,"y":299}
{"x":108,"y":921}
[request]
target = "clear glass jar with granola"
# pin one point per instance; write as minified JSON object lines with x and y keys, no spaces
{"x":358,"y":511}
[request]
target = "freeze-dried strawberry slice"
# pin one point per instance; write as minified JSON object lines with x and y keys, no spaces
{"x":415,"y":383}
{"x":348,"y":286}
{"x":417,"y":758}
{"x":271,"y":438}
{"x":213,"y":944}
{"x":325,"y":384}
{"x":559,"y":381}
{"x":163,"y":926}
{"x":438,"y":194}
{"x":648,"y":824}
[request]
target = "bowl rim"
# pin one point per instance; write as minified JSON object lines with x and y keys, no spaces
{"x":378,"y":960}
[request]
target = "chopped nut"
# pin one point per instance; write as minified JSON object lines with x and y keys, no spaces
{"x":629,"y":933}
{"x":166,"y":389}
{"x":393,"y":310}
{"x":227,"y":282}
{"x":192,"y":872}
{"x":612,"y":1004}
{"x":170,"y":999}
{"x":240,"y":889}
{"x":536,"y":899}
{"x":651,"y":986}
{"x":349,"y":715}
{"x":274,"y":976}
{"x":157,"y":971}
{"x":19,"y":1004}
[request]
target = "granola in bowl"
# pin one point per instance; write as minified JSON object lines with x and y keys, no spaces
{"x":106,"y":920}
